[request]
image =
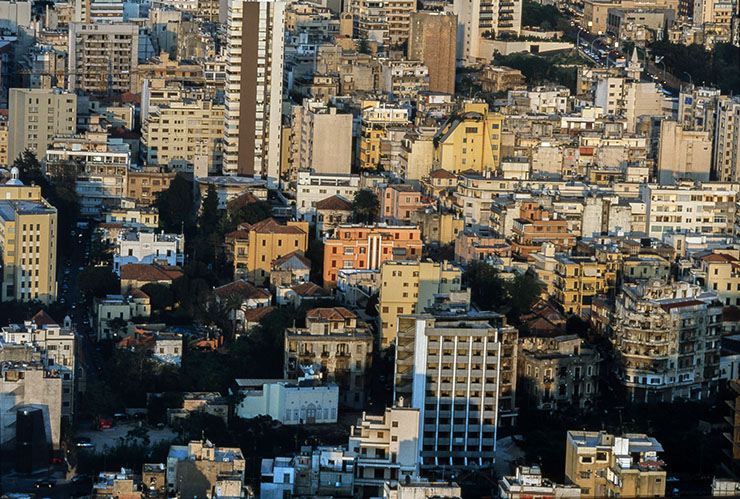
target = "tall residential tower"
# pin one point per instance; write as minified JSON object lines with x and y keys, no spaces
{"x":254,"y":91}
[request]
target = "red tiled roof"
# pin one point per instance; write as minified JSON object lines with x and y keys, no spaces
{"x":257,"y":314}
{"x":718,"y":257}
{"x":283,"y":259}
{"x":441,"y":173}
{"x":243,"y":200}
{"x":274,"y":227}
{"x":245,"y":289}
{"x":150,"y":272}
{"x":310,"y":289}
{"x":334,"y":203}
{"x":330,"y":314}
{"x":43,"y":319}
{"x":137,"y":293}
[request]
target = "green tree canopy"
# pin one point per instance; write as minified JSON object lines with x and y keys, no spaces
{"x":365,"y":206}
{"x":96,"y":282}
{"x":175,"y":205}
{"x":161,"y":295}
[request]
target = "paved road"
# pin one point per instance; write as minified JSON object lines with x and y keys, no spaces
{"x":111,"y":437}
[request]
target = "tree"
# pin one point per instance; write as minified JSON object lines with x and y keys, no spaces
{"x":487,"y":287}
{"x":101,"y":250}
{"x":233,"y":303}
{"x":523,"y":290}
{"x":209,"y":215}
{"x":161,"y":295}
{"x":365,"y":206}
{"x":175,"y":205}
{"x":363,"y":47}
{"x":96,"y":282}
{"x":117,"y":325}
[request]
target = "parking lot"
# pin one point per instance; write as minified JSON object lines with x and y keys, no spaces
{"x":111,"y":437}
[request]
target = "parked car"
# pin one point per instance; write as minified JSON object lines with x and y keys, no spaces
{"x":44,"y":484}
{"x":83,"y":442}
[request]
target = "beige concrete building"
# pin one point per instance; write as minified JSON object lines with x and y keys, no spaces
{"x":558,"y":371}
{"x":28,"y":241}
{"x":481,"y":19}
{"x":254,"y":88}
{"x":470,"y":140}
{"x":35,"y":116}
{"x":726,"y":154}
{"x":666,"y":336}
{"x":459,"y":369}
{"x":683,"y":153}
{"x":595,"y":12}
{"x":200,"y":469}
{"x":184,"y":135}
{"x":606,"y":465}
{"x":387,"y":449}
{"x":438,"y":228}
{"x":408,"y":287}
{"x":403,"y":79}
{"x":432,"y":40}
{"x":718,"y":271}
{"x":30,"y":385}
{"x":321,"y":140}
{"x":417,"y":154}
{"x":103,"y":58}
{"x":339,"y":344}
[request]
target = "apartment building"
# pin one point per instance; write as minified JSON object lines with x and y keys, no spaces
{"x":607,"y":465}
{"x":496,"y":79}
{"x":432,"y":40}
{"x":408,"y":287}
{"x":459,"y":369}
{"x":313,"y":187}
{"x":403,"y":79}
{"x":683,"y":153}
{"x":387,"y":449}
{"x":718,"y":271}
{"x":577,"y":280}
{"x":476,"y":245}
{"x":254,"y":88}
{"x":697,"y":108}
{"x":28,"y":241}
{"x":143,"y":184}
{"x":27,"y":386}
{"x":595,"y":12}
{"x":479,"y":19}
{"x":4,"y":138}
{"x":556,"y":372}
{"x":726,"y":158}
{"x":667,"y":335}
{"x":52,"y":344}
{"x":114,"y":313}
{"x":470,"y":140}
{"x":398,"y":202}
{"x":707,"y":208}
{"x":184,"y":134}
{"x":314,"y":472}
{"x":341,"y":345}
{"x":37,"y":116}
{"x":169,"y":71}
{"x":528,"y":481}
{"x":437,"y":228}
{"x":101,"y":180}
{"x":417,"y":154}
{"x":321,"y":140}
{"x":331,"y":213}
{"x":535,"y":226}
{"x":364,"y":247}
{"x":377,"y":120}
{"x":253,"y":248}
{"x":148,"y":247}
{"x":200,"y":469}
{"x":103,"y":58}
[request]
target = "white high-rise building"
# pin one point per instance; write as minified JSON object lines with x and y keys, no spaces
{"x":480,"y":19}
{"x":254,"y":91}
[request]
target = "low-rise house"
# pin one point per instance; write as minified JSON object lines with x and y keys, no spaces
{"x":414,"y":490}
{"x":148,"y":247}
{"x":301,"y":294}
{"x":330,"y":213}
{"x":115,"y":312}
{"x":123,"y":483}
{"x":296,"y":402}
{"x":319,"y":472}
{"x":166,"y":347}
{"x":606,"y":465}
{"x":211,"y":403}
{"x":254,"y":316}
{"x":240,"y":296}
{"x":197,"y":470}
{"x":136,"y":275}
{"x":528,"y":482}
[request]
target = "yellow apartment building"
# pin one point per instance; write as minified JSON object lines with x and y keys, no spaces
{"x":377,"y":119}
{"x":438,"y":228}
{"x":577,"y":281}
{"x":253,"y":248}
{"x":606,"y":465}
{"x":408,"y":287}
{"x":470,"y":140}
{"x":28,"y":243}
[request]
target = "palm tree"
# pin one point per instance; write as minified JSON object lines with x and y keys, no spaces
{"x":233,"y":303}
